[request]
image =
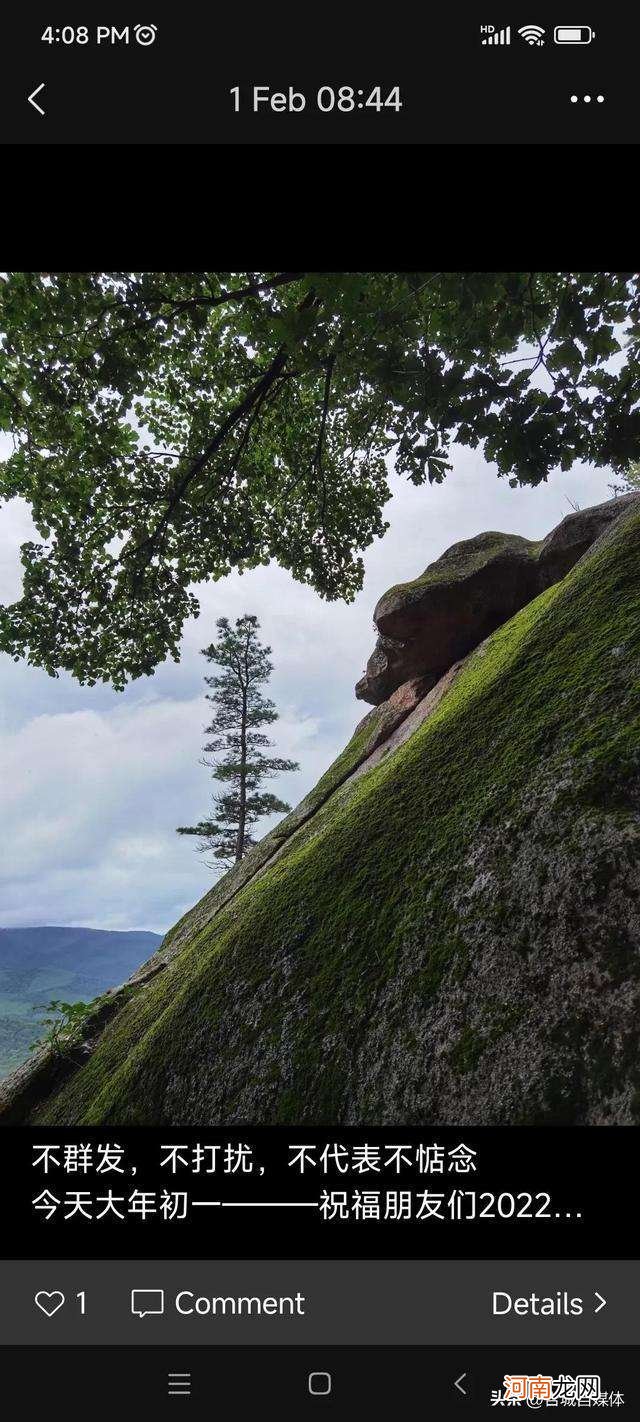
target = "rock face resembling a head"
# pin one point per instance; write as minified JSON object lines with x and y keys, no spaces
{"x":426,"y":625}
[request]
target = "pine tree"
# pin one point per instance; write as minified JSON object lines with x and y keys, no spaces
{"x":237,"y":742}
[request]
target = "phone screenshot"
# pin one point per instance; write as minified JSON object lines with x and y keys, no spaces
{"x":337,"y":75}
{"x":320,"y":926}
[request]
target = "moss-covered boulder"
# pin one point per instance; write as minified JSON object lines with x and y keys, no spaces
{"x":450,"y":933}
{"x":426,"y":625}
{"x":562,"y":548}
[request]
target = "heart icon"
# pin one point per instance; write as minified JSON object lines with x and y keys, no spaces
{"x":49,"y":1303}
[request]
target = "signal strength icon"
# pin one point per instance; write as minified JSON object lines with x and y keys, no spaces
{"x":532,"y":34}
{"x":496,"y":36}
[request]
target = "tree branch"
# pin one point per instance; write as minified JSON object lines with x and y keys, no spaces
{"x":255,"y":394}
{"x":317,"y":458}
{"x":177,"y":307}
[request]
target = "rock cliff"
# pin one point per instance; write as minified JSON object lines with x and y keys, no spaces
{"x":426,"y":625}
{"x":447,"y":929}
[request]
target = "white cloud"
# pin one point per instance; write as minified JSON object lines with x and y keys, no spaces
{"x":91,"y":802}
{"x":17,"y":527}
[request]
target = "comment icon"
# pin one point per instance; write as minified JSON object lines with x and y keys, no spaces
{"x":147,"y":1301}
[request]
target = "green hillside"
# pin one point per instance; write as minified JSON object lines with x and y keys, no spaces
{"x":76,"y":964}
{"x":452,"y":935}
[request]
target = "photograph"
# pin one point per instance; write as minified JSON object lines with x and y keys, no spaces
{"x":320,"y":687}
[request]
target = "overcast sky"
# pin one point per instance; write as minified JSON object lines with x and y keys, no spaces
{"x":95,"y":782}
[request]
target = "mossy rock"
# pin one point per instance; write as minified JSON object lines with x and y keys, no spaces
{"x":427,"y":624}
{"x":452,"y":936}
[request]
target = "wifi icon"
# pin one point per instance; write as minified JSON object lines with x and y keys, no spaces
{"x":532,"y":34}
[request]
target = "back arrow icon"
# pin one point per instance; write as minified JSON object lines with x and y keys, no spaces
{"x":458,"y":1383}
{"x":601,"y":1304}
{"x":32,"y":99}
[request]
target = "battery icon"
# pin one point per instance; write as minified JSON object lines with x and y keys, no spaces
{"x":573,"y":34}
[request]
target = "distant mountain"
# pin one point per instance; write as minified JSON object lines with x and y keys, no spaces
{"x":75,"y":964}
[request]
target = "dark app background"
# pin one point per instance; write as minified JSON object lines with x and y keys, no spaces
{"x":427,"y":75}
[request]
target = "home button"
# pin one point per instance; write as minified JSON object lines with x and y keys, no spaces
{"x":319,"y":1384}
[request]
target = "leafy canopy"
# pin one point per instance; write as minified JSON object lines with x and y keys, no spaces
{"x":631,"y":478}
{"x":171,"y":426}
